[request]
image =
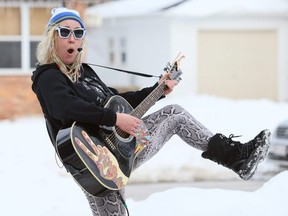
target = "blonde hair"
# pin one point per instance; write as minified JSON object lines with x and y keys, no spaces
{"x":46,"y":54}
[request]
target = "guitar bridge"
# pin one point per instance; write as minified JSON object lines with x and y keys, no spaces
{"x":110,"y":143}
{"x":107,"y":140}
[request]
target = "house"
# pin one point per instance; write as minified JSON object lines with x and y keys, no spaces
{"x":22,"y":25}
{"x":234,"y":48}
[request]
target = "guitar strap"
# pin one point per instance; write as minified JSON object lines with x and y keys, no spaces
{"x":124,"y":71}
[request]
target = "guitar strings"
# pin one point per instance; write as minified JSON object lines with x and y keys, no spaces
{"x":160,"y":89}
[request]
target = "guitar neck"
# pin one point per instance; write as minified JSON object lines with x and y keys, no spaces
{"x":149,"y":101}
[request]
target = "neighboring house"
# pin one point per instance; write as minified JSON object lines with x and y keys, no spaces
{"x":22,"y":25}
{"x":235,"y":49}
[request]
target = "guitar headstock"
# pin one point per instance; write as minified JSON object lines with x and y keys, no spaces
{"x":174,"y":68}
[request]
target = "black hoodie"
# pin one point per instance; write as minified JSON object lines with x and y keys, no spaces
{"x":64,"y":102}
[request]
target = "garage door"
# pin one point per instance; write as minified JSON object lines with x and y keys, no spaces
{"x":238,"y":64}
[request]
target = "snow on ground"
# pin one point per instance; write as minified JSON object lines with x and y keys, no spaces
{"x":32,"y":184}
{"x":266,"y":201}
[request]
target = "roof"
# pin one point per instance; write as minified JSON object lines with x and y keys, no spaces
{"x":128,"y":8}
{"x":192,"y":8}
{"x":202,"y":8}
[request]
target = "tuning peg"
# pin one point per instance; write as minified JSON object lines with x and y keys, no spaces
{"x":168,"y":67}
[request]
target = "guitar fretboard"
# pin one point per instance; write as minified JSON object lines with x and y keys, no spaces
{"x":149,"y":101}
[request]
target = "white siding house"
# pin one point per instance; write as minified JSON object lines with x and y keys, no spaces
{"x":233,"y":48}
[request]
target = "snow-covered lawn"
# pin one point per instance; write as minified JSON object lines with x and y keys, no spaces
{"x":32,"y":184}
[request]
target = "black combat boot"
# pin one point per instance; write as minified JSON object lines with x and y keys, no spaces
{"x":241,"y":158}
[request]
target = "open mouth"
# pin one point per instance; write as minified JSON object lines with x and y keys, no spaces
{"x":70,"y":51}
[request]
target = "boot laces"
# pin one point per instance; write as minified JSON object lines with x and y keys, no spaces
{"x":244,"y":149}
{"x":231,"y":136}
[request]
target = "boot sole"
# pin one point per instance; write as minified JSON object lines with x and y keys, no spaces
{"x":248,"y":169}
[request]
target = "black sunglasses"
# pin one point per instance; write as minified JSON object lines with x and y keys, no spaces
{"x":65,"y":32}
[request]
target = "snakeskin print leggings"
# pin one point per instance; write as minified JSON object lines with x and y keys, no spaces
{"x":162,"y":124}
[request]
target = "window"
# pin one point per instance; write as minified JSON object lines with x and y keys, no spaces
{"x":123,"y":50}
{"x":117,"y":53}
{"x":33,"y":47}
{"x":10,"y":54}
{"x":10,"y":21}
{"x":111,"y":51}
{"x":37,"y":28}
{"x":123,"y":57}
{"x":22,"y":26}
{"x":10,"y":42}
{"x":38,"y":20}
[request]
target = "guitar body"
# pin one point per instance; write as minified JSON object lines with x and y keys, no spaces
{"x":101,"y":159}
{"x":75,"y":166}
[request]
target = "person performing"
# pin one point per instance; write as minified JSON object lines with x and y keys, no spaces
{"x":70,"y":91}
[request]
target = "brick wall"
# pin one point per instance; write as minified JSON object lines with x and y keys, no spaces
{"x":17,"y":98}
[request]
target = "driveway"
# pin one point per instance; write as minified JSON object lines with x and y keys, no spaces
{"x":142,"y":191}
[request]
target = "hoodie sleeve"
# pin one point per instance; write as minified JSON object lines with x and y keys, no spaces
{"x":60,"y":101}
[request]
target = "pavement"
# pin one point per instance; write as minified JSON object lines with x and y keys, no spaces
{"x":138,"y":191}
